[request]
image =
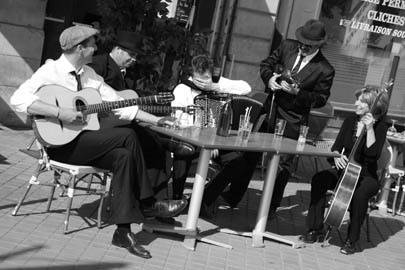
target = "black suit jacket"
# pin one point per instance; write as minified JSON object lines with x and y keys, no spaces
{"x":315,"y":79}
{"x":106,"y":67}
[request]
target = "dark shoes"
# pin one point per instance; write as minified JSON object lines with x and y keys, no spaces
{"x":227,"y":197}
{"x":125,"y":239}
{"x":312,"y":236}
{"x":348,"y":248}
{"x":165,"y":209}
{"x":178,"y":148}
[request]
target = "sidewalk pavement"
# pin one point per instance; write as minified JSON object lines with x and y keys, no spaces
{"x":34,"y":239}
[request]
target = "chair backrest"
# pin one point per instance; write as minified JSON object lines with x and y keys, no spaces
{"x":384,"y":161}
{"x":260,"y":96}
{"x":318,"y":120}
{"x":239,"y":105}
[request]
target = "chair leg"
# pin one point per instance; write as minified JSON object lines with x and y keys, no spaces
{"x":17,"y":207}
{"x":368,"y":227}
{"x":32,"y":181}
{"x":325,"y":241}
{"x":50,"y":198}
{"x":100,"y":210}
{"x":70,"y":194}
{"x":401,"y":203}
{"x":394,"y":204}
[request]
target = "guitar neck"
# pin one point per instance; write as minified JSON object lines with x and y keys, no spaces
{"x":112,"y":105}
{"x":161,"y":109}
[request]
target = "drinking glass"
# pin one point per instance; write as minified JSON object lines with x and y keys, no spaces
{"x":245,"y":132}
{"x":242,"y":122}
{"x":392,"y":128}
{"x":303,"y":134}
{"x":216,"y":74}
{"x":280,"y":127}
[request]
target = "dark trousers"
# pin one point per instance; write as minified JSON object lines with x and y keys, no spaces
{"x":326,"y":180}
{"x":118,"y":150}
{"x":155,"y":159}
{"x":181,"y":167}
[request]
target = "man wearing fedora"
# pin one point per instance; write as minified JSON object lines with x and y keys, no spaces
{"x":112,"y":67}
{"x":116,"y":149}
{"x":312,"y":77}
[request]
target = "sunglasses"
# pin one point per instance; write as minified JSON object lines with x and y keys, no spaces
{"x":305,"y":46}
{"x":132,"y":54}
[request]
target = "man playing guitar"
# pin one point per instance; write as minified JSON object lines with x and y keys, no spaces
{"x":115,"y":149}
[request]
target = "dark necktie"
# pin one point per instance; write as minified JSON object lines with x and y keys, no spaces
{"x":77,"y":77}
{"x":296,"y":68}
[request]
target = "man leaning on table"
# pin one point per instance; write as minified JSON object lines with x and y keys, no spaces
{"x":184,"y":94}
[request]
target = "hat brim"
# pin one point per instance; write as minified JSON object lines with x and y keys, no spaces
{"x":131,"y":49}
{"x":302,"y":39}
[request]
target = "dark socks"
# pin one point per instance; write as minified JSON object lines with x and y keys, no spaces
{"x":148,"y":202}
{"x":124,"y":227}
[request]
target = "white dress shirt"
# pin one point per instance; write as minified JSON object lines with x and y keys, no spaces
{"x":184,"y":95}
{"x":305,"y":61}
{"x":58,"y":72}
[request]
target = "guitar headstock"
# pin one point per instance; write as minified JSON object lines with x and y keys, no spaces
{"x":164,"y":97}
{"x":192,"y":108}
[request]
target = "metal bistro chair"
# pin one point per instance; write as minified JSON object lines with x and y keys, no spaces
{"x":76,"y":174}
{"x":391,"y":174}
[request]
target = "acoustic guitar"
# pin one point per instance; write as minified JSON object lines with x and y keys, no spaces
{"x":347,"y":183}
{"x":108,"y":120}
{"x":50,"y":131}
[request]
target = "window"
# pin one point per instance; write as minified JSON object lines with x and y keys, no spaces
{"x":363,"y":38}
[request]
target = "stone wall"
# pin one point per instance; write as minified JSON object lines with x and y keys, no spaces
{"x":21,"y":41}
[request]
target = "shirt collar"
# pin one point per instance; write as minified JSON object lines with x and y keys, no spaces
{"x":66,"y":66}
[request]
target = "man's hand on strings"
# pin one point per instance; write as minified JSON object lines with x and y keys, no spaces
{"x":168,"y":121}
{"x":70,"y":116}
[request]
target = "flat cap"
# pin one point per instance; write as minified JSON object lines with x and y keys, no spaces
{"x":73,"y":35}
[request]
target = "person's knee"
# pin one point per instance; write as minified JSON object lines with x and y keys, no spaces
{"x":123,"y":156}
{"x":319,"y":180}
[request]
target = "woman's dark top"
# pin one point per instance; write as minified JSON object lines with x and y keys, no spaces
{"x":366,"y":157}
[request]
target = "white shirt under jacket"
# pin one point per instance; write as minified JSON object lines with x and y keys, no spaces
{"x":58,"y":72}
{"x":184,"y":95}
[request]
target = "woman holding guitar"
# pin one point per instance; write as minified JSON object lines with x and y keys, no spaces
{"x":367,"y":154}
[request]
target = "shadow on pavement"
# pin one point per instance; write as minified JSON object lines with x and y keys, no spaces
{"x":19,"y":252}
{"x":3,"y":160}
{"x":25,"y":203}
{"x":86,"y":266}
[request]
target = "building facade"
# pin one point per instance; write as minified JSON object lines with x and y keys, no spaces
{"x":364,"y":38}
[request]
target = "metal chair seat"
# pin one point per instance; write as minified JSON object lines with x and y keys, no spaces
{"x":76,"y":174}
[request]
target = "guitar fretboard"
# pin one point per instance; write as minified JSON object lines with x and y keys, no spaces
{"x":112,"y":105}
{"x":162,"y":109}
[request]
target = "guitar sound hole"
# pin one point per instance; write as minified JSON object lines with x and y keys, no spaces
{"x":79,"y":104}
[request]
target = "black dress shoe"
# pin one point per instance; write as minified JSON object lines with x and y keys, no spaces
{"x":178,"y":148}
{"x":312,"y":236}
{"x":165,"y":209}
{"x":125,"y":239}
{"x":227,"y":197}
{"x":348,"y":248}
